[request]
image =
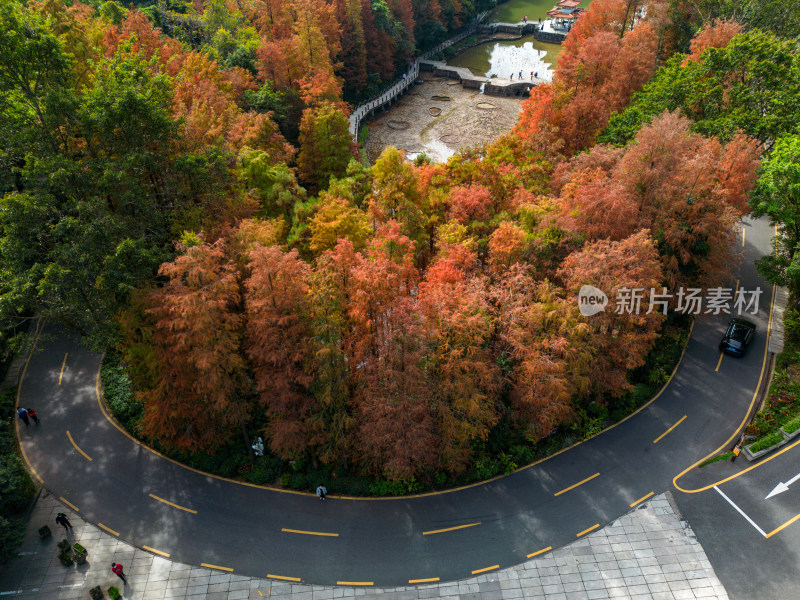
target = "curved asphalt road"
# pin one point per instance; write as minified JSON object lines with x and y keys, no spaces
{"x":382,"y":542}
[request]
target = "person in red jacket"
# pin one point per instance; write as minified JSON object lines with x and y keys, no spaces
{"x":116,"y":568}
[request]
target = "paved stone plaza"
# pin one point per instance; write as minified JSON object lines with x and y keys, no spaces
{"x":649,"y":553}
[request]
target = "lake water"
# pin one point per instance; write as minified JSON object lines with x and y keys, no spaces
{"x":501,"y":59}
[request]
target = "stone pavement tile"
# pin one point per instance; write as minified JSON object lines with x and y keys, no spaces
{"x":509,"y":584}
{"x":683,"y":595}
{"x":554,"y":588}
{"x":156,"y":585}
{"x":571,"y":588}
{"x":704,"y":592}
{"x":240,"y":584}
{"x":182,"y":582}
{"x":512,"y":594}
{"x":238,"y":595}
{"x":218,"y":587}
{"x":175,"y":593}
{"x":557,"y":596}
{"x":601,"y":594}
{"x":327,"y":594}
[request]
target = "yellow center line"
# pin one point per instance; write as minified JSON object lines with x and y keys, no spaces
{"x":355,"y":583}
{"x":642,"y":499}
{"x":302,"y":532}
{"x":86,"y":456}
{"x":661,"y":437}
{"x":450,"y":528}
{"x":719,"y":362}
{"x":62,"y":368}
{"x":538,"y":552}
{"x":282,"y":578}
{"x":476,"y":571}
{"x":573,"y":486}
{"x":429,"y":580}
{"x":789,"y":522}
{"x":70,"y":504}
{"x":208,"y":566}
{"x":108,"y":529}
{"x":154,"y":551}
{"x":585,"y":531}
{"x":189,"y":510}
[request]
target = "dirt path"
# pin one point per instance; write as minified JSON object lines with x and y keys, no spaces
{"x":420,"y":123}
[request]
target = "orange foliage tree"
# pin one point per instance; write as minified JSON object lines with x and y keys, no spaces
{"x":278,"y":345}
{"x":195,"y":403}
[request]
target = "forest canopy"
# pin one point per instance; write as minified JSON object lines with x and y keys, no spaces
{"x":179,"y":186}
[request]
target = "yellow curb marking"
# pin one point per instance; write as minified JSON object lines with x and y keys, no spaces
{"x":585,"y":531}
{"x":739,"y":428}
{"x":429,"y":580}
{"x":355,"y":583}
{"x":538,"y":552}
{"x":743,"y":232}
{"x":108,"y":529}
{"x":574,"y":485}
{"x":72,"y":506}
{"x":154,"y":551}
{"x":189,"y":510}
{"x":450,"y":528}
{"x":493,"y":567}
{"x":86,"y":456}
{"x":663,"y":435}
{"x":271,"y":576}
{"x":302,"y":532}
{"x":719,"y":362}
{"x":776,"y":530}
{"x":62,"y":368}
{"x":208,"y":566}
{"x":642,"y":499}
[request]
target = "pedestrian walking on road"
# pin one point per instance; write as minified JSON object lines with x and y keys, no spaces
{"x":520,"y":75}
{"x":22,"y":413}
{"x":512,"y":77}
{"x":321,"y":491}
{"x":116,"y":568}
{"x":62,"y":520}
{"x":32,"y":414}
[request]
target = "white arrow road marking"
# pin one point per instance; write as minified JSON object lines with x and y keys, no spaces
{"x":782,"y":487}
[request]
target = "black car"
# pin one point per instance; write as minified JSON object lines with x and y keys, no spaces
{"x":738,"y":335}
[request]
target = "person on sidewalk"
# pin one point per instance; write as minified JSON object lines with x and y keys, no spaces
{"x":116,"y":568}
{"x":32,"y":414}
{"x":321,"y":491}
{"x":61,"y":519}
{"x":22,"y":413}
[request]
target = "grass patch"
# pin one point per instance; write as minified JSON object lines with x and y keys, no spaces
{"x":792,"y":425}
{"x":716,"y":459}
{"x":766,"y":442}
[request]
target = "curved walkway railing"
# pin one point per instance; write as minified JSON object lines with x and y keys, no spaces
{"x":399,"y":86}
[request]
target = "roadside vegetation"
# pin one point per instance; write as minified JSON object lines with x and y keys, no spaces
{"x":16,"y":486}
